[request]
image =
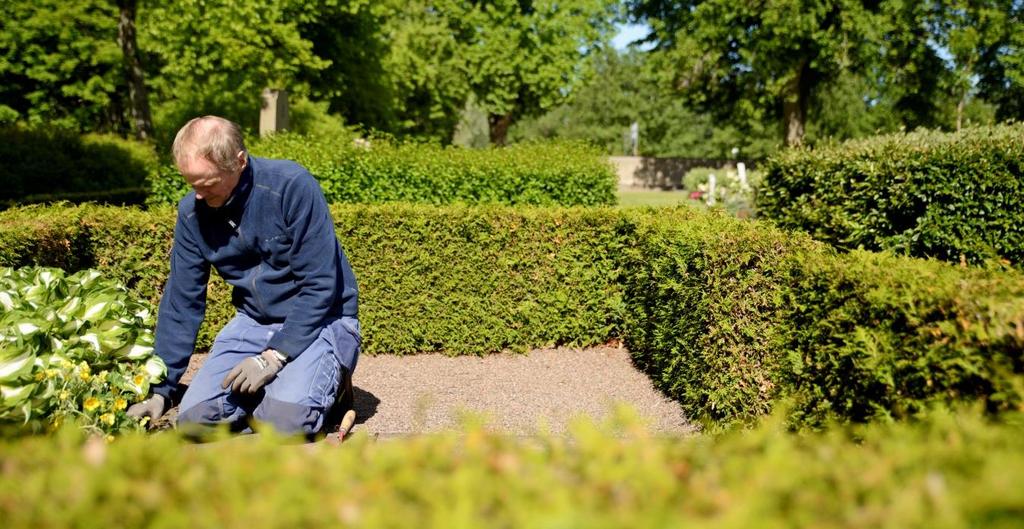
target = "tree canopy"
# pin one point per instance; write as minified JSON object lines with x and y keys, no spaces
{"x":718,"y":75}
{"x":630,"y":92}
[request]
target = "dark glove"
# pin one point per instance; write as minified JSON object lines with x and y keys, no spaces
{"x":153,"y":407}
{"x":254,"y":372}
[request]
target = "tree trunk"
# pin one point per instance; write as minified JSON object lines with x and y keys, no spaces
{"x":499,"y":125}
{"x":960,"y":112}
{"x":138,"y":100}
{"x":794,"y":105}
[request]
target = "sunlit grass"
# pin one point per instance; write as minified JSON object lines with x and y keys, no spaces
{"x":656,"y":198}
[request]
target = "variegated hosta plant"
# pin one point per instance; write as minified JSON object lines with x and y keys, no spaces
{"x":72,"y":347}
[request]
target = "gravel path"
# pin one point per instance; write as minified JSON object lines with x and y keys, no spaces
{"x":516,"y":393}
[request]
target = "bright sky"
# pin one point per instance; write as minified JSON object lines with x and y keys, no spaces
{"x":628,"y":33}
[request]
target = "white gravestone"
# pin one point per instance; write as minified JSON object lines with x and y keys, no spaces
{"x":741,"y":168}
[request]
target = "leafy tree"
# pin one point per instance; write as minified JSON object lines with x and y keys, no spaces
{"x":623,"y":91}
{"x":352,"y":36}
{"x":528,"y":55}
{"x":60,"y":64}
{"x":426,"y":66}
{"x":407,"y":68}
{"x":966,"y":29}
{"x":512,"y":58}
{"x":78,"y":64}
{"x":217,"y":56}
{"x":849,"y":107}
{"x":764,"y":60}
{"x":984,"y":40}
{"x":910,"y":79}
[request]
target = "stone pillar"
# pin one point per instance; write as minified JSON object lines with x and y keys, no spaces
{"x":634,"y":138}
{"x":274,"y":114}
{"x":741,"y":168}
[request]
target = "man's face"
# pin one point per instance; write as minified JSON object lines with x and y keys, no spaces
{"x":211,"y":183}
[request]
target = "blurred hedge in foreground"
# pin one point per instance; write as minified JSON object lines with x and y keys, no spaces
{"x":926,"y":194}
{"x":380,"y":171}
{"x":50,"y":164}
{"x":952,"y":471}
{"x":726,"y":316}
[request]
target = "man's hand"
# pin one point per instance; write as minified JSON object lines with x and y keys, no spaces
{"x":153,"y":407}
{"x":254,"y":372}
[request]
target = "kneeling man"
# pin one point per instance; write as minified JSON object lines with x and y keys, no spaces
{"x":295,"y":340}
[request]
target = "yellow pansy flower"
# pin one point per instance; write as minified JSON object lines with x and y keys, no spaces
{"x":120,"y":404}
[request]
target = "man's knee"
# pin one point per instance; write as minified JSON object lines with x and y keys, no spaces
{"x":290,"y":418}
{"x":204,"y":419}
{"x":205,"y":412}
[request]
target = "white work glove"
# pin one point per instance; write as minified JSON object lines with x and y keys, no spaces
{"x":254,"y":372}
{"x":153,"y":407}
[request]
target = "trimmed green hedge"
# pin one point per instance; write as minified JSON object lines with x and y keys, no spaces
{"x":48,"y":165}
{"x":731,"y":317}
{"x":430,"y":279}
{"x":726,"y":316}
{"x":703,"y":296}
{"x":953,"y":471}
{"x":567,"y":174}
{"x":925,"y":194}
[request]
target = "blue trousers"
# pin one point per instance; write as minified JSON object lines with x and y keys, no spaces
{"x":295,"y":401}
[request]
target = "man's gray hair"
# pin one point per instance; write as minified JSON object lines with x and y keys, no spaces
{"x":214,"y":138}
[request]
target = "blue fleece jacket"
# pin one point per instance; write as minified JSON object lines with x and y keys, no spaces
{"x":274,"y":243}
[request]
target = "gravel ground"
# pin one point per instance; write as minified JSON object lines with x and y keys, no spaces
{"x":517,"y":394}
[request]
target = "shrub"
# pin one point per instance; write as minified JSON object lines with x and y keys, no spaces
{"x":953,"y":471}
{"x":726,"y":316}
{"x":703,"y":296}
{"x":731,"y":317}
{"x":430,"y":279}
{"x":42,"y":165}
{"x":925,"y":194}
{"x":877,"y":337}
{"x":72,"y":348}
{"x":380,"y":171}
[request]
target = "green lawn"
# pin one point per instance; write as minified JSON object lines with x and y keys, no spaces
{"x":630,"y":198}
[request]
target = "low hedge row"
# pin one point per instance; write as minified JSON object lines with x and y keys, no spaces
{"x":731,"y":317}
{"x":49,"y":164}
{"x":925,"y":194}
{"x":381,"y":171}
{"x":953,"y":471}
{"x":129,"y":196}
{"x":728,"y":317}
{"x":430,"y":279}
